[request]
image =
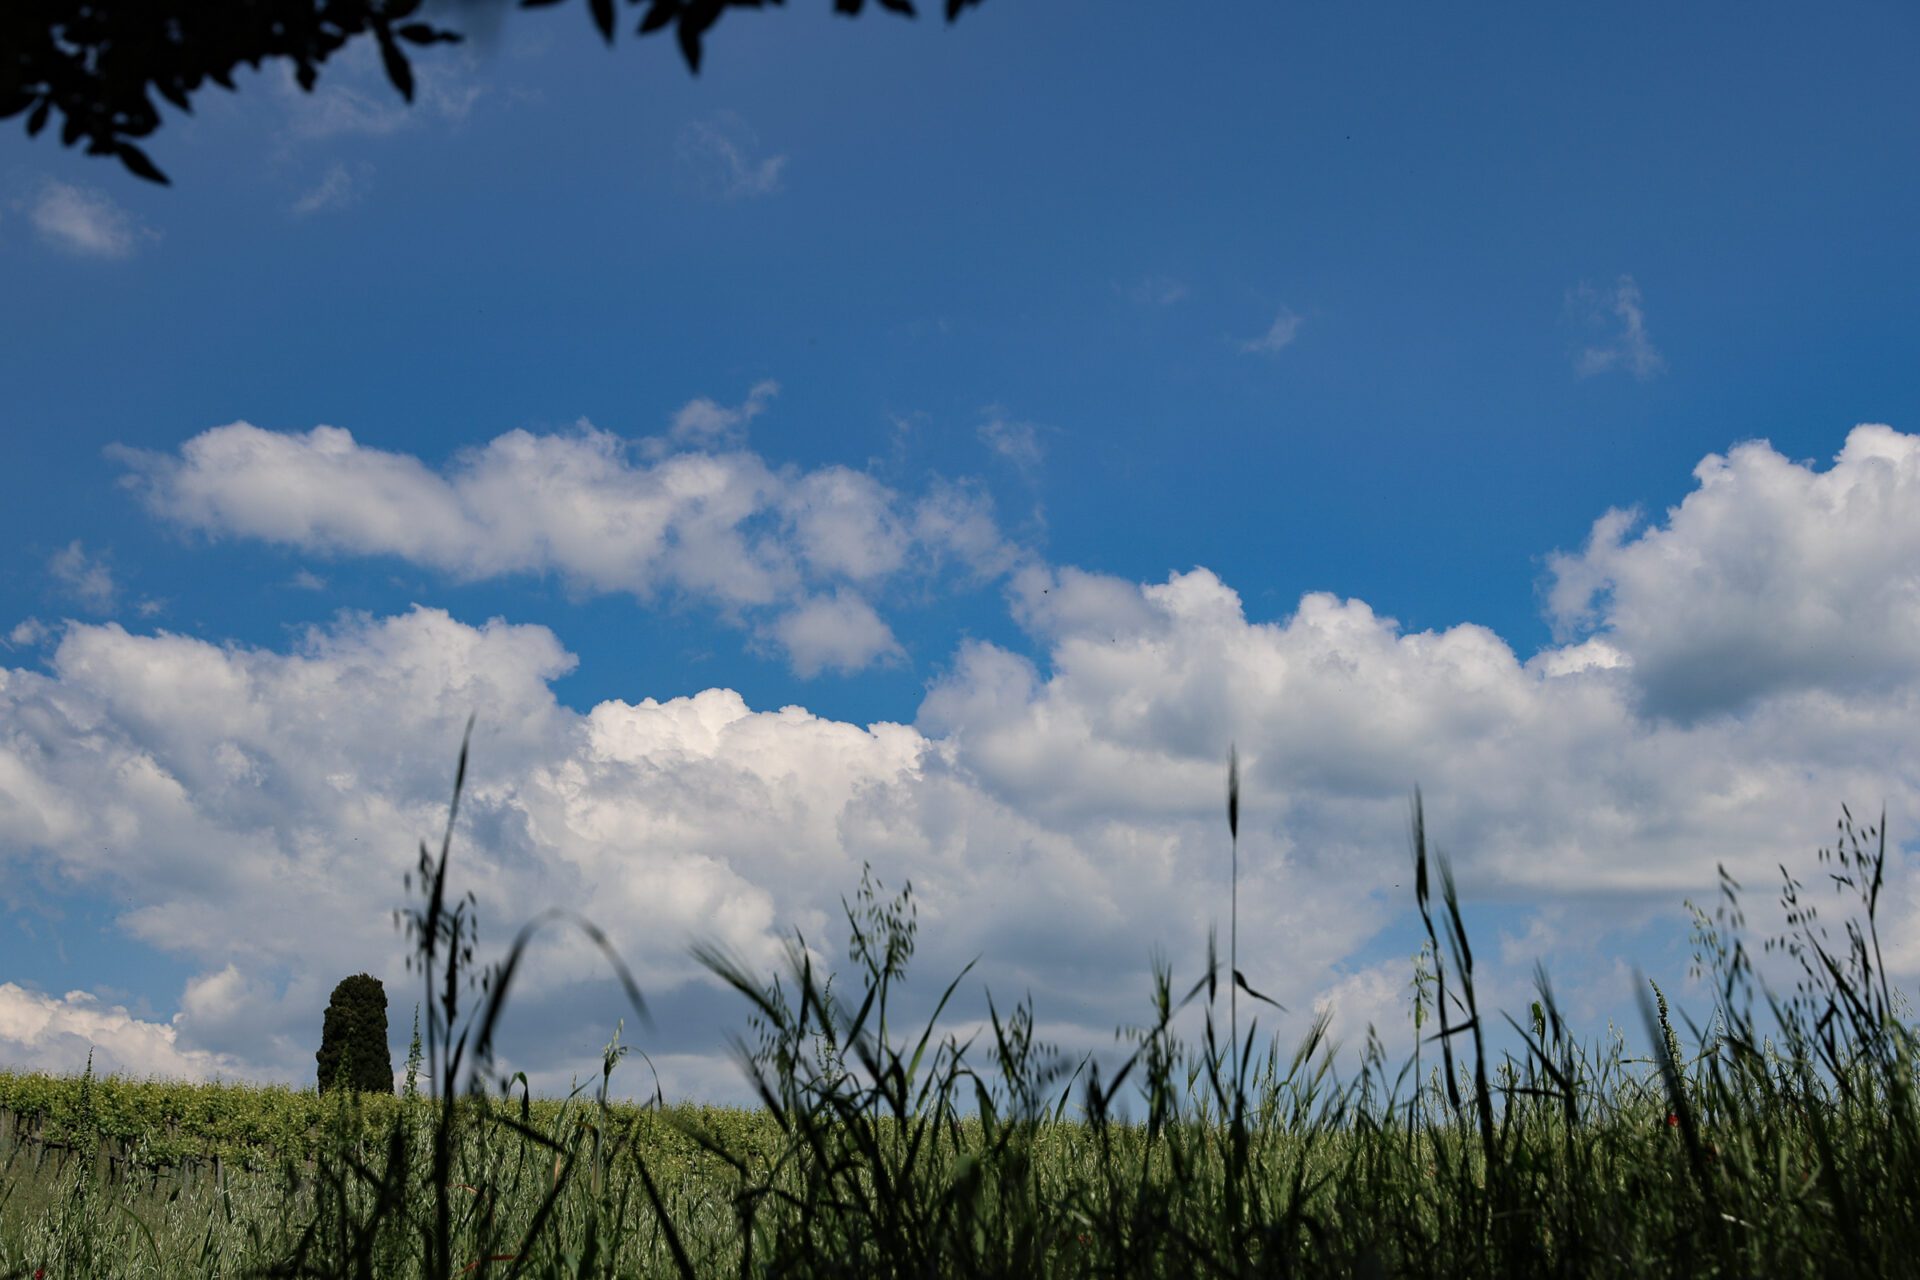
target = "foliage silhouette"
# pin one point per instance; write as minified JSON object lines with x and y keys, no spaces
{"x":353,"y":1038}
{"x":96,"y":62}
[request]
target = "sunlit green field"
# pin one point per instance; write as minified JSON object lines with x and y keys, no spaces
{"x":1718,"y":1153}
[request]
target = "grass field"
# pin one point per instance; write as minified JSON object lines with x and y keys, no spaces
{"x":1746,"y":1156}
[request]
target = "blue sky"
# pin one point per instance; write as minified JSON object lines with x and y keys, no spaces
{"x":1033,"y":406}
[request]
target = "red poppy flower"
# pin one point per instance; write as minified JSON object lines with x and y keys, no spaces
{"x":1672,"y":1119}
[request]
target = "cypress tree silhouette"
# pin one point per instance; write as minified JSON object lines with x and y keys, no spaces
{"x":353,"y":1037}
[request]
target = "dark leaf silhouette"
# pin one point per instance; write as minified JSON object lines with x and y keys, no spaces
{"x":1240,"y":981}
{"x":172,"y":92}
{"x":603,"y":18}
{"x":425,"y":33}
{"x":694,"y":21}
{"x":398,"y":71}
{"x":136,"y":161}
{"x":99,"y":65}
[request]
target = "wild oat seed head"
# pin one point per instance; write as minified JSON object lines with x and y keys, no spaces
{"x":1233,"y":792}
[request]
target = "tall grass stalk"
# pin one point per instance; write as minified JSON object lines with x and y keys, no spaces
{"x":871,"y":1156}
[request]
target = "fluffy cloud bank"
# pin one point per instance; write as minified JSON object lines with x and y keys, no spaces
{"x":67,"y":1029}
{"x":1059,"y":814}
{"x":793,"y":554}
{"x":1768,"y":577}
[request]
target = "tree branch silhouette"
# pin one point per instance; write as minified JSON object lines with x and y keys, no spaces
{"x":98,"y":63}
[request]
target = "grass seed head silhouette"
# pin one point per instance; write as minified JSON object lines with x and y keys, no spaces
{"x":860,"y":1162}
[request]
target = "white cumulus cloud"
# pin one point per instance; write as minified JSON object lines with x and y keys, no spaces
{"x":55,"y":1035}
{"x":693,"y":512}
{"x":1059,"y":812}
{"x":841,"y":632}
{"x":1769,"y":577}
